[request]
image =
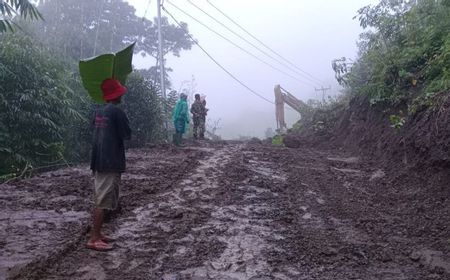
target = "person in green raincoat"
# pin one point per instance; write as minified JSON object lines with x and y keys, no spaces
{"x":180,"y":118}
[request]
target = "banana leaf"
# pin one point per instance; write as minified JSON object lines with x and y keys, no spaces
{"x":95,"y":70}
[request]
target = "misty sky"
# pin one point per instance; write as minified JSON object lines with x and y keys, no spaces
{"x":310,"y":33}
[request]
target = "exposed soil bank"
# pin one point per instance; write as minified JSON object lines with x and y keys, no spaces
{"x":409,"y":193}
{"x":423,"y":140}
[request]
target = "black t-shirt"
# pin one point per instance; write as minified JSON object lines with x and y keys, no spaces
{"x":110,"y":130}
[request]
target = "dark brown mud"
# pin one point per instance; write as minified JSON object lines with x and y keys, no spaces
{"x":233,"y":211}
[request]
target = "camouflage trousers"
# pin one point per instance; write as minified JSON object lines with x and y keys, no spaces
{"x":199,"y":127}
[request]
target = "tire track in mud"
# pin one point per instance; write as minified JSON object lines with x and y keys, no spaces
{"x":151,"y":172}
{"x":240,"y":221}
{"x":214,"y":223}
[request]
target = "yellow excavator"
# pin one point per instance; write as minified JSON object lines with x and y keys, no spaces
{"x":282,"y":97}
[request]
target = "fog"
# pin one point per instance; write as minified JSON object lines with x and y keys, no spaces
{"x":310,"y":34}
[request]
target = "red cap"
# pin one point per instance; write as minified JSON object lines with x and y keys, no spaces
{"x":112,"y":89}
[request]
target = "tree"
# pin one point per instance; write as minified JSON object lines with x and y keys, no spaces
{"x":269,"y":133}
{"x":211,"y":129}
{"x":171,"y":101}
{"x":85,"y":28}
{"x":12,"y":8}
{"x":37,"y":106}
{"x":142,"y":105}
{"x":407,"y":44}
{"x":44,"y":110}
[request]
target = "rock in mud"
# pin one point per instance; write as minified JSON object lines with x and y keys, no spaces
{"x":377,"y":175}
{"x":415,"y":256}
{"x":292,"y":141}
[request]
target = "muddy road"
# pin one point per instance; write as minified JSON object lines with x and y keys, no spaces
{"x":231,"y":211}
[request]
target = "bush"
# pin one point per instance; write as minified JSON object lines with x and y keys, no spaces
{"x":45,"y":113}
{"x":143,"y":108}
{"x":37,"y":106}
{"x":405,"y":53}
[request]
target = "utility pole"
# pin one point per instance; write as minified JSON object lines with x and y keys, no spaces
{"x":323,"y":90}
{"x":161,"y":69}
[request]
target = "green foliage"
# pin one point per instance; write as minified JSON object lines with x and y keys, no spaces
{"x":86,"y":28}
{"x":277,"y":140}
{"x":397,"y":122}
{"x":45,"y":113}
{"x":143,"y":108}
{"x":94,"y":71}
{"x":320,"y":116}
{"x":12,"y":8}
{"x":404,"y":53}
{"x":36,"y":105}
{"x":423,"y":101}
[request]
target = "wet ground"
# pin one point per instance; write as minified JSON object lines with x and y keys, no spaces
{"x":230,"y":211}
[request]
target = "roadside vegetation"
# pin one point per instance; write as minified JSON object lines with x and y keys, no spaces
{"x":403,"y":63}
{"x":45,"y":112}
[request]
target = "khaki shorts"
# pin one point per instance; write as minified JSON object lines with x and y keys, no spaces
{"x":107,"y":187}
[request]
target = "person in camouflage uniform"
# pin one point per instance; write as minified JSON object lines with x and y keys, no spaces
{"x":198,"y":111}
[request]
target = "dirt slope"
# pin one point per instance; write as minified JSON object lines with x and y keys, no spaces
{"x":423,"y":140}
{"x":233,"y":211}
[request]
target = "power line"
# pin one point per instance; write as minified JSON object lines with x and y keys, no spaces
{"x":256,"y":47}
{"x":239,"y":47}
{"x":265,"y":45}
{"x":216,"y":62}
{"x":146,"y":9}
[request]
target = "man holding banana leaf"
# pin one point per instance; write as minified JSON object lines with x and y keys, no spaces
{"x":103,"y":77}
{"x":108,"y":158}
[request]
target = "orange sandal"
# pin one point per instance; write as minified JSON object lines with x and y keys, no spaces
{"x":99,"y":245}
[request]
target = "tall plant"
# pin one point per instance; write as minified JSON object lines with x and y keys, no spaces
{"x":12,"y":8}
{"x":36,"y":105}
{"x":143,"y":108}
{"x":406,"y":45}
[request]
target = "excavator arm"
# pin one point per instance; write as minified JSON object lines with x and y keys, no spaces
{"x":282,"y":97}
